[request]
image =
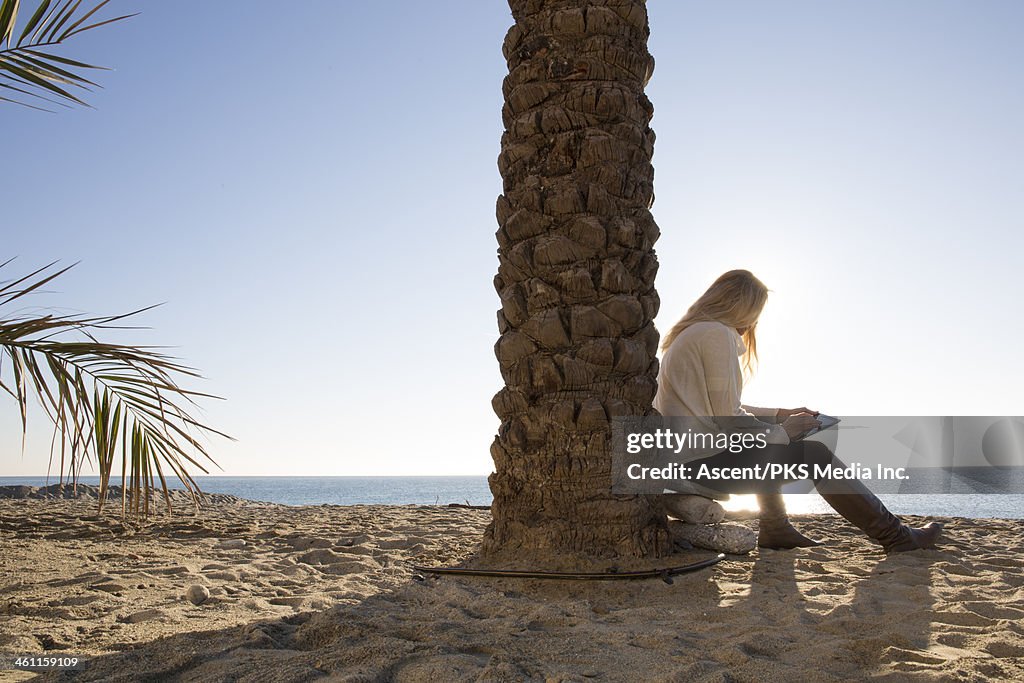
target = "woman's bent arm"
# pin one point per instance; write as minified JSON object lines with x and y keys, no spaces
{"x":719,"y":349}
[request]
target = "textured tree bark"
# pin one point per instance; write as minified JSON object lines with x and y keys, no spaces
{"x":575,"y":279}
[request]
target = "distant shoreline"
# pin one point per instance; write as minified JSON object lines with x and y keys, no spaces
{"x":474,"y":491}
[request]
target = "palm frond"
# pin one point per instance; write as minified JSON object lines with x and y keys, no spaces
{"x":30,"y":70}
{"x":103,"y":398}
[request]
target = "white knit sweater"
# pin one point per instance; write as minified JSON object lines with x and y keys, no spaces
{"x":700,"y":377}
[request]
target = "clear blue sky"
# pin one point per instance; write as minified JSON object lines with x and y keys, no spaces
{"x":310,"y":187}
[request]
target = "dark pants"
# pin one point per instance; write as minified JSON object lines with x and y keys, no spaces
{"x":807,"y":453}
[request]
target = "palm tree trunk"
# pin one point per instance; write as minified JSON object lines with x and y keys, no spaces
{"x":575,"y":277}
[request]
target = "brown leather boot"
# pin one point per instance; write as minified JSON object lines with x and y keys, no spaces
{"x":774,"y":529}
{"x":860,"y":507}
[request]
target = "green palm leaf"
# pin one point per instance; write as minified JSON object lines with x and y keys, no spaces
{"x":105,"y":400}
{"x":30,"y":72}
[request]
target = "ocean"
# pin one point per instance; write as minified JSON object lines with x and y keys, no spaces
{"x":473,"y":490}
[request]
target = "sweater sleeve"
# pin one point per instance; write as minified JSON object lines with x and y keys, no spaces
{"x":720,"y":355}
{"x":771,"y":413}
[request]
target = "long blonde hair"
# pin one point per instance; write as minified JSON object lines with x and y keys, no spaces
{"x":734,"y":299}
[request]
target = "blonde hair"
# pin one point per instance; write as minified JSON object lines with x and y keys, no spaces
{"x":734,"y":299}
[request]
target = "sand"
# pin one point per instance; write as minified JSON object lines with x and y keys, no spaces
{"x":328,"y":592}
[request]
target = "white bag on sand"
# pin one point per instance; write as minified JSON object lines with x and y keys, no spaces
{"x":693,"y":509}
{"x":726,"y":537}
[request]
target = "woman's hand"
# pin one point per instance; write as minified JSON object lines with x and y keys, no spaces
{"x":799,"y":423}
{"x":788,"y":412}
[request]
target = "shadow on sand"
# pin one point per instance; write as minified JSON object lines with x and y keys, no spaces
{"x":832,"y":613}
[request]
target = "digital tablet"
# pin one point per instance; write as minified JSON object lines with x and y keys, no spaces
{"x":826,"y":422}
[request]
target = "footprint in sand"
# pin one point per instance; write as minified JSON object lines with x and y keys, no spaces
{"x":330,"y":562}
{"x":1004,"y":649}
{"x":401,"y":543}
{"x":295,"y":602}
{"x":109,"y":586}
{"x":355,"y":550}
{"x":896,"y":654}
{"x":214,"y":566}
{"x":957,"y":640}
{"x":961,"y":619}
{"x":76,"y":600}
{"x":1001,"y":562}
{"x":990,"y":611}
{"x":143,"y":615}
{"x":451,"y":667}
{"x":173,"y":570}
{"x":349,"y":567}
{"x":294,"y":570}
{"x":958,"y":569}
{"x":307,"y":542}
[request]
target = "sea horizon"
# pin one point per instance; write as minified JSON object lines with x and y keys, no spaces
{"x":298,"y":490}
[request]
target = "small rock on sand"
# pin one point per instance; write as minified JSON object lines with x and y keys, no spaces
{"x":144,"y":615}
{"x":197,"y":594}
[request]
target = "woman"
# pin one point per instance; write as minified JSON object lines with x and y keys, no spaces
{"x":706,"y":355}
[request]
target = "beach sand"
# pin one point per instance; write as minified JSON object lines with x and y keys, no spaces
{"x":302,"y":593}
